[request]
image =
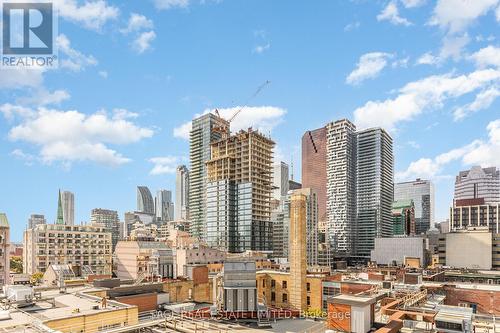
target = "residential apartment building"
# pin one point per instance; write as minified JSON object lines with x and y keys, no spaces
{"x":164,"y":206}
{"x":421,"y":192}
{"x":145,"y":202}
{"x":375,"y":188}
{"x":83,"y":245}
{"x":204,"y":130}
{"x":109,"y":220}
{"x":181,"y":206}
{"x":477,"y":186}
{"x":4,"y":250}
{"x":341,"y":186}
{"x":238,"y":195}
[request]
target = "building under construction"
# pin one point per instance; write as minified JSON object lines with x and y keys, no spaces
{"x":239,"y":188}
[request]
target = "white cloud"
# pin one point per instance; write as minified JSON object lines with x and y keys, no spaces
{"x":11,"y":111}
{"x":137,"y":22}
{"x":261,"y":48}
{"x":478,"y":152}
{"x":91,"y":14}
{"x":413,"y":3}
{"x":103,"y":74}
{"x":15,"y":78}
{"x":497,"y":13}
{"x":453,"y":46}
{"x":168,"y":4}
{"x":427,"y":59}
{"x":391,"y":13}
{"x":27,"y":158}
{"x":352,"y":26}
{"x":69,"y":136}
{"x":483,"y":100}
{"x":488,"y":56}
{"x":369,"y":66}
{"x":415,"y":97}
{"x":403,"y":62}
{"x":456,"y":15}
{"x":262,"y":118}
{"x":164,"y":165}
{"x":143,"y":42}
{"x":43,"y":97}
{"x":75,"y":61}
{"x":414,"y":144}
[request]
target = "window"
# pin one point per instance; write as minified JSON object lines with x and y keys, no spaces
{"x":284,"y":284}
{"x":273,"y":283}
{"x":285,"y":298}
{"x":308,"y":286}
{"x":273,"y":296}
{"x":263,"y":283}
{"x":308,"y":301}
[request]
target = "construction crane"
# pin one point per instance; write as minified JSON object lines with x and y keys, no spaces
{"x":224,"y":130}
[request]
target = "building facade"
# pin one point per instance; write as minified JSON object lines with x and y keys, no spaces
{"x":375,"y":188}
{"x":164,"y":206}
{"x":4,"y":250}
{"x":68,"y":207}
{"x":478,"y":184}
{"x":36,"y":219}
{"x":421,"y":192}
{"x":181,"y":206}
{"x":314,"y":153}
{"x":280,"y":180}
{"x":141,"y":259}
{"x":86,"y":246}
{"x":468,"y":217}
{"x":109,"y":220}
{"x":403,"y":218}
{"x":145,"y":202}
{"x":204,"y":130}
{"x":341,"y":186}
{"x":239,"y":189}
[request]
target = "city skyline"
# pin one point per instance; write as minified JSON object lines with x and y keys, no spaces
{"x":342,"y":63}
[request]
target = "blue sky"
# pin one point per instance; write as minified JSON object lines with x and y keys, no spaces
{"x":132,"y":74}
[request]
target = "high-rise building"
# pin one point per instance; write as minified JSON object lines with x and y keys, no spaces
{"x":422,"y":194}
{"x":68,"y":205}
{"x":36,"y":219}
{"x":145,"y":202}
{"x":181,"y":193}
{"x":280,"y":180}
{"x":109,"y":220}
{"x":341,"y":185}
{"x":239,"y":187}
{"x":298,"y":251}
{"x":164,"y":207}
{"x":80,"y":245}
{"x":204,"y":130}
{"x":314,"y":144}
{"x":477,"y":186}
{"x":4,"y":250}
{"x":281,"y":226}
{"x":375,"y":188}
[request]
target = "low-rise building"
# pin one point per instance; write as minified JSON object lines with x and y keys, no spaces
{"x":83,"y":245}
{"x":143,"y":259}
{"x":394,"y":250}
